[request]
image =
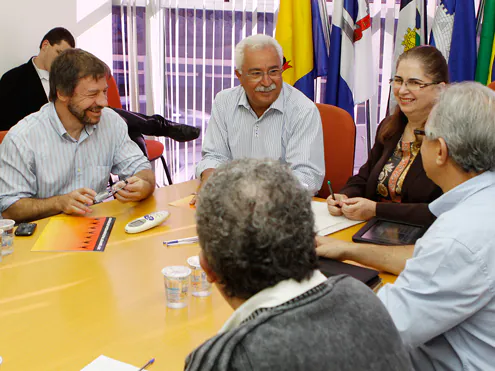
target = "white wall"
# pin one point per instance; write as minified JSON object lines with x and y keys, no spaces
{"x":24,"y":23}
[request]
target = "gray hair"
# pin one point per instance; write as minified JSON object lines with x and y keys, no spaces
{"x":255,"y":42}
{"x":256,"y":226}
{"x":464,"y":117}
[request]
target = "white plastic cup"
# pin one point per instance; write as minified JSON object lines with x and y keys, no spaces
{"x":176,"y":285}
{"x":199,"y":283}
{"x":7,"y":225}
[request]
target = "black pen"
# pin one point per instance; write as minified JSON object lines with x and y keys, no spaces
{"x":150,"y":362}
{"x":331,"y":190}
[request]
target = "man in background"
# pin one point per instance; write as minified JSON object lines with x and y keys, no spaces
{"x":57,"y":159}
{"x":256,"y":233}
{"x":264,"y":118}
{"x":25,"y":89}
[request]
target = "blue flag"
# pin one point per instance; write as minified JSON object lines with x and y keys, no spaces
{"x":454,"y":34}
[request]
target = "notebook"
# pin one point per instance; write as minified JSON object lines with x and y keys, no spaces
{"x":74,"y":233}
{"x":326,"y":223}
{"x":330,"y":267}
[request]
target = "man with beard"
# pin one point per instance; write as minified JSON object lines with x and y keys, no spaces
{"x":264,"y":118}
{"x":57,"y":159}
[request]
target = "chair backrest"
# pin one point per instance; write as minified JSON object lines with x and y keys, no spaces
{"x":339,"y":140}
{"x":492,"y":85}
{"x":113,"y":95}
{"x":2,"y":134}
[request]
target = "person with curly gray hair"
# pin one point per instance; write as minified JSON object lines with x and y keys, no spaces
{"x":256,"y":232}
{"x":443,"y":303}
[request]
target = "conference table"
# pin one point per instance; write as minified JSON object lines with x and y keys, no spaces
{"x":61,"y":310}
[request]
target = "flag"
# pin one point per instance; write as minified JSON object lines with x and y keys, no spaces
{"x":487,"y":44}
{"x":302,"y":31}
{"x":351,"y":77}
{"x":454,"y":33}
{"x":411,"y":28}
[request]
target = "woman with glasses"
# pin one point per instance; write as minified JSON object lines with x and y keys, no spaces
{"x":392,"y":184}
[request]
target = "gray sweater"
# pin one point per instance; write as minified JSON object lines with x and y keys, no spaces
{"x":338,"y":325}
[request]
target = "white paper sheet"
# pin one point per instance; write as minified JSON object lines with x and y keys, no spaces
{"x":104,"y":363}
{"x":326,"y":223}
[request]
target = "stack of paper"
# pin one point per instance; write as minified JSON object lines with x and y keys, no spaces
{"x":326,"y":223}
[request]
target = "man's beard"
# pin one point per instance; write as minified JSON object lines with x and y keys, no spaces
{"x":82,"y":116}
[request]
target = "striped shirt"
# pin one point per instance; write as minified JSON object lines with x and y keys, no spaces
{"x":39,"y":159}
{"x":290,"y":131}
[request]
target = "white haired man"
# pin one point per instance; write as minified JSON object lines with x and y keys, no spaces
{"x":443,"y":303}
{"x":264,"y":118}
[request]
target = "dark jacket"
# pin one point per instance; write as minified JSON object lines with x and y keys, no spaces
{"x":21,"y":93}
{"x":338,"y":325}
{"x":417,"y":190}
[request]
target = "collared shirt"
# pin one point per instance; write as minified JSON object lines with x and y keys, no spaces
{"x":44,"y":77}
{"x":39,"y":159}
{"x":443,"y":303}
{"x":271,"y":297}
{"x":289,"y":130}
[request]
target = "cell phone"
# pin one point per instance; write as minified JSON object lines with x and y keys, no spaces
{"x":25,"y":229}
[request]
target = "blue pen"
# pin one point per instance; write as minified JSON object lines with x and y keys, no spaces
{"x":181,"y":241}
{"x":150,"y":362}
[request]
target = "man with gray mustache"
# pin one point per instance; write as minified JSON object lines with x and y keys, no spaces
{"x":264,"y":118}
{"x":57,"y":159}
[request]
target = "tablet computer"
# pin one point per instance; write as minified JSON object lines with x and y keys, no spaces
{"x":387,"y":232}
{"x":330,"y":267}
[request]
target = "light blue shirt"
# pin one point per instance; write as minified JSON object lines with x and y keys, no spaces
{"x":443,"y":302}
{"x":39,"y":159}
{"x":289,"y":130}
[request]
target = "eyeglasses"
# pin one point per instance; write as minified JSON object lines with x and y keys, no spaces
{"x":411,"y":85}
{"x":257,"y":76}
{"x":419,"y":132}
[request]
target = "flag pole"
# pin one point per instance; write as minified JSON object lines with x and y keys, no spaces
{"x":479,"y":16}
{"x":368,"y":126}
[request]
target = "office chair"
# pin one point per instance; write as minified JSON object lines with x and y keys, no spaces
{"x":153,"y":149}
{"x":2,"y":135}
{"x":339,"y":141}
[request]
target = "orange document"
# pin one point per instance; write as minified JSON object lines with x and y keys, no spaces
{"x":74,"y":233}
{"x":183,"y":202}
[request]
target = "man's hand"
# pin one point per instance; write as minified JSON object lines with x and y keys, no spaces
{"x":331,"y":248}
{"x":135,"y":190}
{"x":76,"y":202}
{"x":358,"y":208}
{"x":204,"y":177}
{"x":334,"y":206}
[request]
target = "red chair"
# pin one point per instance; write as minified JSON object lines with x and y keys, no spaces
{"x":339,"y":141}
{"x":153,"y":147}
{"x":113,"y":95}
{"x":492,"y":85}
{"x":155,"y":151}
{"x":2,"y":135}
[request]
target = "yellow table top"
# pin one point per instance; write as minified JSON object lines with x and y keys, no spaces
{"x":61,"y":310}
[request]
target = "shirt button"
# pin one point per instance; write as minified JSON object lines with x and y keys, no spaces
{"x":78,"y":170}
